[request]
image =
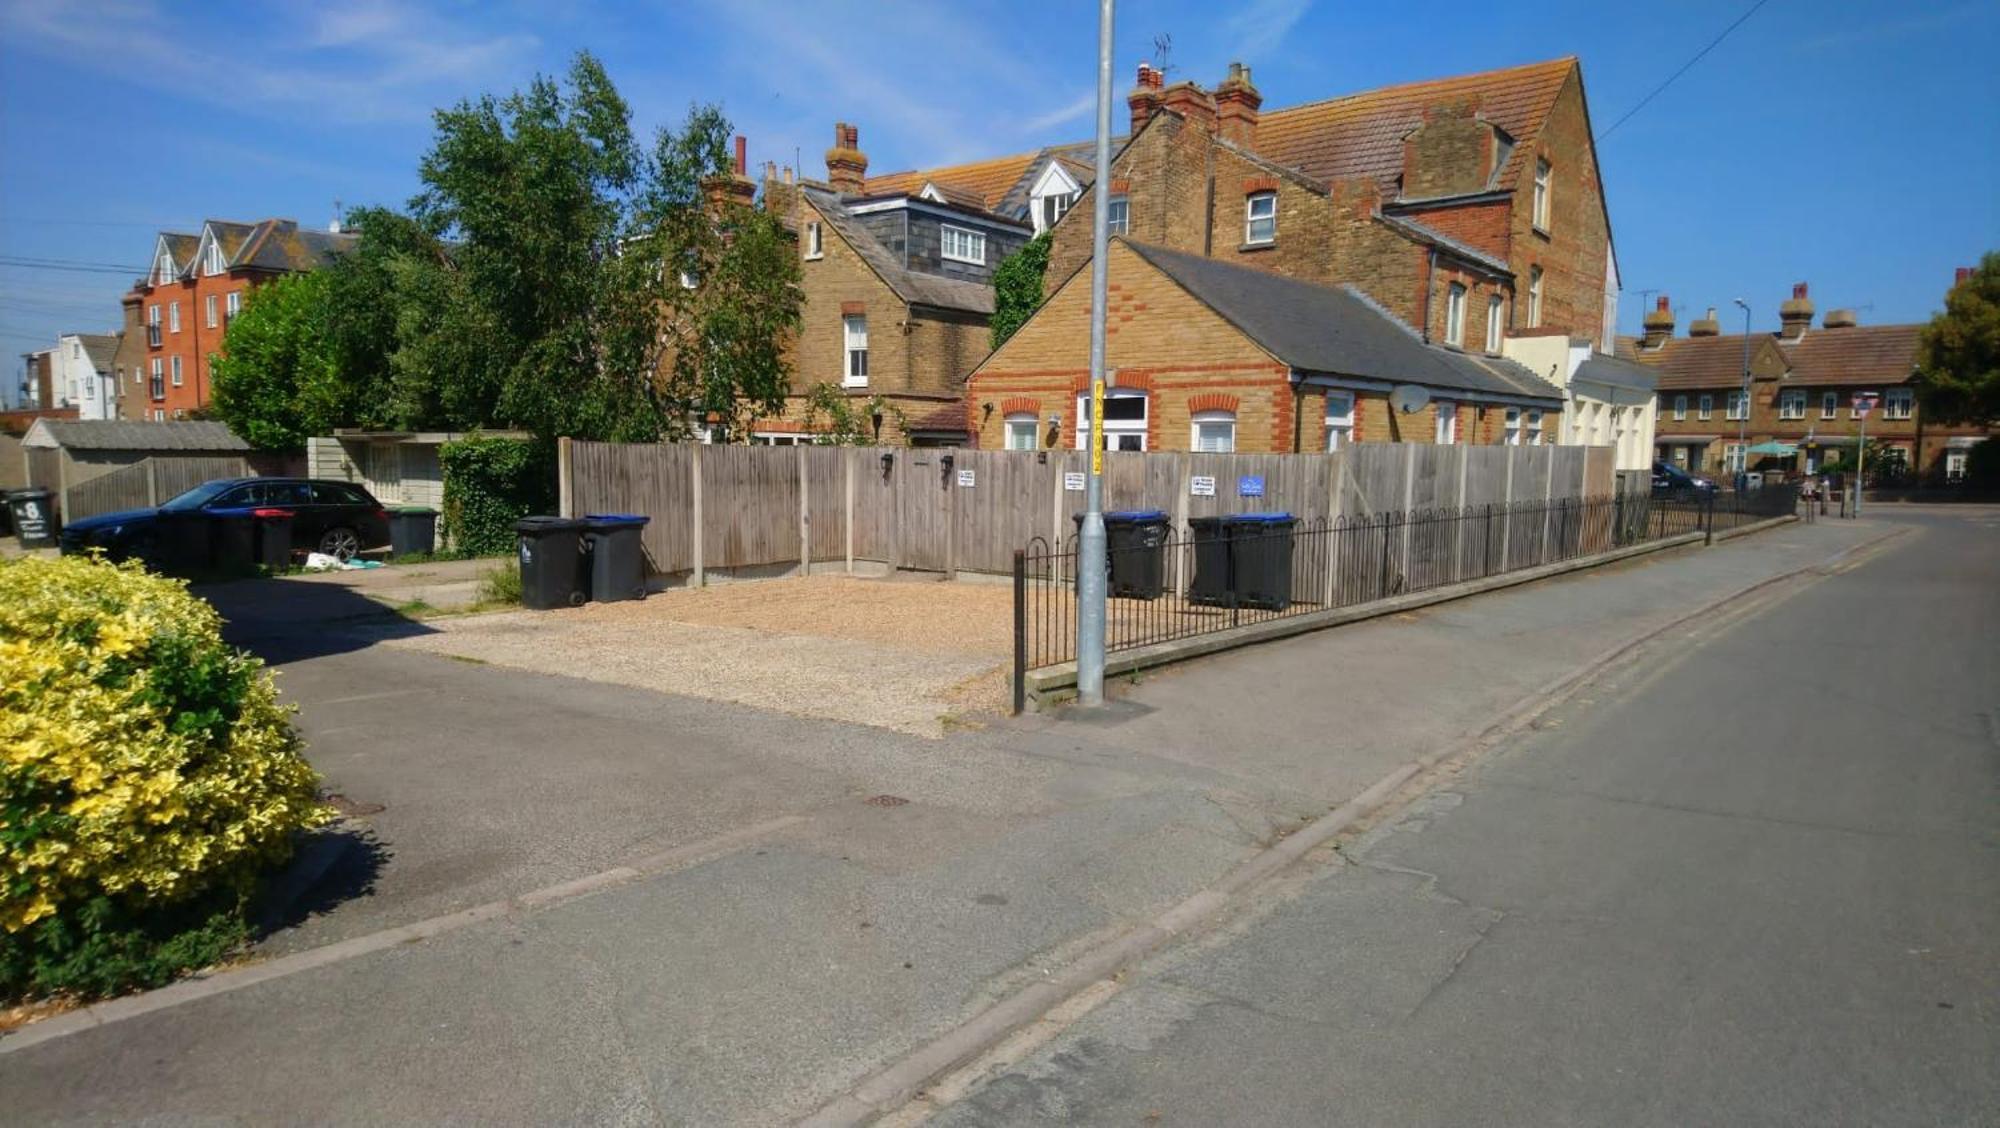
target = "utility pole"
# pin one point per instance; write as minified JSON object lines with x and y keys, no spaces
{"x":1743,"y":412}
{"x":1090,"y":557}
{"x":1864,"y":402}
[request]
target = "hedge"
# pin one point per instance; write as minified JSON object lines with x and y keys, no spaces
{"x":148,"y":776}
{"x":490,"y":483}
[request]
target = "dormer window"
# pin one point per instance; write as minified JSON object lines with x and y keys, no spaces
{"x":163,"y":271}
{"x":1050,"y":199}
{"x":212,"y":260}
{"x":962,"y":244}
{"x":1050,"y":209}
{"x":1260,"y":218}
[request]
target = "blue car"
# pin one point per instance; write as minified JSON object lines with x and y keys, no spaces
{"x":339,"y":519}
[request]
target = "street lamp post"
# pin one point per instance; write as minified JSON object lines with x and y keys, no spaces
{"x":1743,"y":407}
{"x":1090,"y":547}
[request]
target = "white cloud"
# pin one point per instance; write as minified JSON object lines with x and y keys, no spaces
{"x":1257,"y":30}
{"x":1075,"y":110}
{"x":360,"y":62}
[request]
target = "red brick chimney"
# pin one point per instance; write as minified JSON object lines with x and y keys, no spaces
{"x":846,"y":164}
{"x":1964,"y":272}
{"x":1191,"y":102}
{"x":1659,"y":325}
{"x":1145,"y":96}
{"x":1236,"y":104}
{"x":1795,"y":316}
{"x":736,"y":188}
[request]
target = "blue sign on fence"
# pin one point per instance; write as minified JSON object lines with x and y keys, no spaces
{"x":1250,"y":485}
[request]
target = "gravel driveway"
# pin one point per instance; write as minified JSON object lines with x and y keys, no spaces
{"x":897,"y":654}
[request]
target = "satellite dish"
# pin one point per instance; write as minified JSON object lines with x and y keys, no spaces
{"x":1408,"y":398}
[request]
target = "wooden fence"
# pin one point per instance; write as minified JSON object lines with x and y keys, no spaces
{"x":951,"y":510}
{"x":145,"y":483}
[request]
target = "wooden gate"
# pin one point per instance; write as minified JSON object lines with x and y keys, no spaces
{"x":923,"y":505}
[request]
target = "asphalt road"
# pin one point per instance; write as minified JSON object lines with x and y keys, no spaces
{"x":1753,"y":880}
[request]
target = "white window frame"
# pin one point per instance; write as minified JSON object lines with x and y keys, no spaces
{"x":1792,"y":403}
{"x":1496,"y":321}
{"x":1898,"y":403}
{"x":1446,"y":431}
{"x":1544,"y":183}
{"x":1252,"y":217}
{"x":973,"y":244}
{"x":212,"y":263}
{"x":163,"y":271}
{"x":1734,"y":457}
{"x":173,"y":317}
{"x":208,"y":310}
{"x":1954,"y":465}
{"x":1736,"y":407}
{"x":854,"y":341}
{"x":1054,"y":193}
{"x":1680,"y":407}
{"x":1829,"y":405}
{"x":779,"y":438}
{"x":1534,"y":297}
{"x":1221,"y":426}
{"x":1023,"y":430}
{"x":1533,"y":427}
{"x":176,"y":368}
{"x":1339,"y":419}
{"x":159,"y":415}
{"x":815,"y":240}
{"x":1118,"y":216}
{"x":1454,"y":314}
{"x":1050,"y":209}
{"x":1115,"y":430}
{"x":157,"y":389}
{"x":1510,"y":430}
{"x":232,"y":305}
{"x":1706,"y":406}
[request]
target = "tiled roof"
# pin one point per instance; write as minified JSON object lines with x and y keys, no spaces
{"x":986,"y":180}
{"x":1423,"y":233}
{"x":106,"y":434}
{"x":1335,"y":330}
{"x":1362,"y":134}
{"x":280,"y":244}
{"x":912,"y":286}
{"x":1617,"y":372}
{"x":101,"y":348}
{"x":945,"y":417}
{"x":1865,"y":354}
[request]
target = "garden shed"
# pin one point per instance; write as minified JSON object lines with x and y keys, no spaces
{"x":398,"y":467}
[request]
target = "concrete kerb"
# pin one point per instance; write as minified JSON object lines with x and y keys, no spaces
{"x":885,"y":1090}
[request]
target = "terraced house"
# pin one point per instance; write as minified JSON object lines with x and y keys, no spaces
{"x":182,"y":308}
{"x":1466,"y":210}
{"x":1803,"y":384}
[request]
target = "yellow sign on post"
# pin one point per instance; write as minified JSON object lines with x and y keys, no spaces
{"x":1097,"y":426}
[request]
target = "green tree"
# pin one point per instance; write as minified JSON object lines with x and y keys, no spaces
{"x":1017,"y":287}
{"x":842,"y":420}
{"x":275,"y":381}
{"x":1958,"y":353}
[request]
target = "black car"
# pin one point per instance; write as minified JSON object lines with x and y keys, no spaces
{"x":1668,"y":478}
{"x":338,"y":518}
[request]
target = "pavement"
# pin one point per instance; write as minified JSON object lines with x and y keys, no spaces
{"x":567,"y":900}
{"x":1749,"y":880}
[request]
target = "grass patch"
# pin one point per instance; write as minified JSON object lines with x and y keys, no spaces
{"x":500,"y":584}
{"x":415,"y":608}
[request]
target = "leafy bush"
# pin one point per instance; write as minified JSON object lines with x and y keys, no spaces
{"x":1017,"y":288}
{"x":501,"y":584}
{"x":490,"y":483}
{"x":147,"y":776}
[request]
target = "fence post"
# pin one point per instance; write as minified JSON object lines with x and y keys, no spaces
{"x":62,"y":483}
{"x":1507,"y":508}
{"x":1020,"y":631}
{"x":694,"y":489}
{"x":1184,"y":462}
{"x":1335,"y":504}
{"x":805,"y":516}
{"x":1458,"y":517}
{"x":565,"y":481}
{"x":851,"y":452}
{"x":1708,"y":520}
{"x":152,"y":484}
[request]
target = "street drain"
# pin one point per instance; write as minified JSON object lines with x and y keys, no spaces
{"x":886,"y":801}
{"x":351,"y":809}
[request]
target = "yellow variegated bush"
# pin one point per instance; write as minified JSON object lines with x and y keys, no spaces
{"x":144,"y":763}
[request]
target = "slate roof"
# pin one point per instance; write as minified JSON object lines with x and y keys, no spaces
{"x":269,"y":244}
{"x":1337,"y":331}
{"x":1616,"y":371}
{"x":912,"y":286}
{"x":1423,"y":233}
{"x":1862,"y":354}
{"x":985,"y":181}
{"x":110,"y":434}
{"x":101,"y":348}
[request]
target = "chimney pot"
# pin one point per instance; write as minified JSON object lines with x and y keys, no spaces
{"x":1795,"y":316}
{"x":1964,"y":272}
{"x":846,"y":164}
{"x":1839,"y":319}
{"x":1237,"y":102}
{"x":742,"y":155}
{"x":1709,"y":326}
{"x":1659,"y":325}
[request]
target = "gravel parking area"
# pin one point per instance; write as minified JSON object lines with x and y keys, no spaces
{"x":909,"y":655}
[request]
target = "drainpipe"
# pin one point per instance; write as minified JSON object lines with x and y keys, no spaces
{"x":1208,"y":203}
{"x":1430,"y":272}
{"x":1298,"y":408}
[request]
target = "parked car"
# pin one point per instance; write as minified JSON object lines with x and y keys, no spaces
{"x":338,"y":518}
{"x":1668,"y":478}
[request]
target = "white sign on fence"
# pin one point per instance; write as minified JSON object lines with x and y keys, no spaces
{"x":1201,"y":485}
{"x":967,"y":477}
{"x":1073,"y":481}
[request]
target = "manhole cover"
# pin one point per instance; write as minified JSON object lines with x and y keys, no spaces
{"x":886,"y":801}
{"x":353,"y":809}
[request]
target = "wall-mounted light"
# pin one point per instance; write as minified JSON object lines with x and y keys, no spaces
{"x":888,"y":461}
{"x":946,"y":462}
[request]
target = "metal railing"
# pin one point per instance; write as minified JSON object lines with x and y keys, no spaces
{"x":1168,"y":584}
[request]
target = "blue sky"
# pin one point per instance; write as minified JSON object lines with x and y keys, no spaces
{"x":1849,"y":143}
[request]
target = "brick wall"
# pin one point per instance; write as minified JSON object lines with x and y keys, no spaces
{"x":128,"y":364}
{"x":1573,"y":252}
{"x":196,"y":341}
{"x":836,"y":283}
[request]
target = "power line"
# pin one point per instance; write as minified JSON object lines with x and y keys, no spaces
{"x":1712,"y":44}
{"x":70,"y":264}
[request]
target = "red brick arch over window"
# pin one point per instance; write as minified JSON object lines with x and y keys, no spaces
{"x":1212,"y":401}
{"x":1020,"y":405}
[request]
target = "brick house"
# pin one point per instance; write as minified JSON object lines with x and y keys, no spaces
{"x":897,"y":283}
{"x":1469,"y":208}
{"x":1213,"y":355}
{"x":195,"y":285}
{"x":1803,"y":380}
